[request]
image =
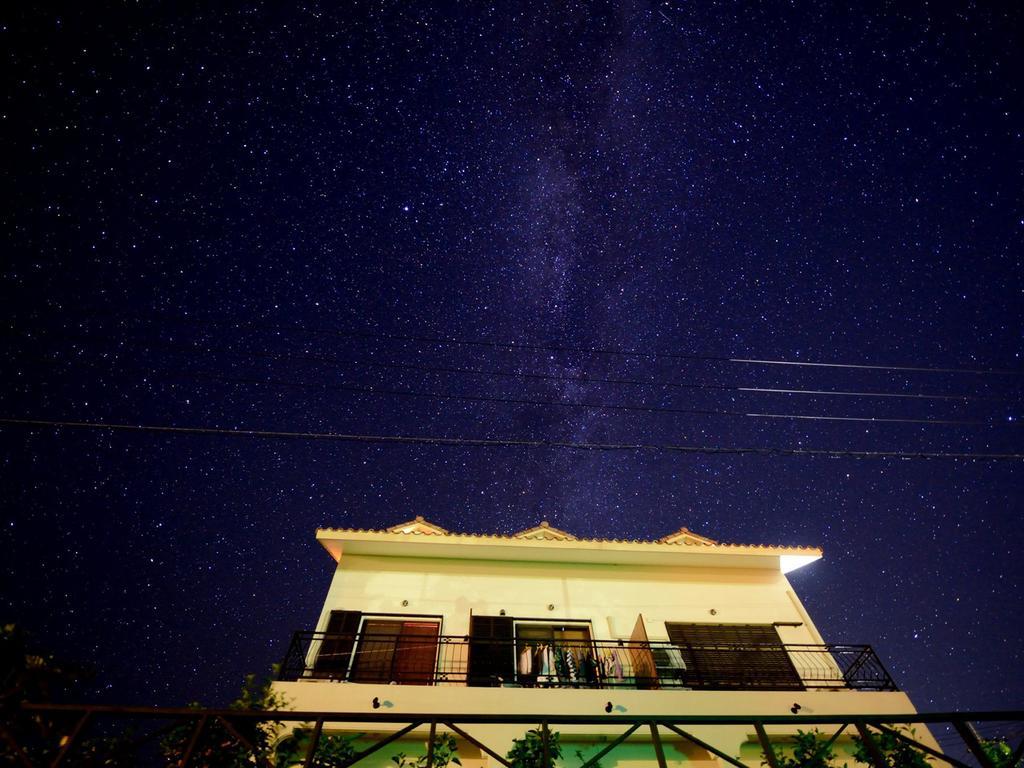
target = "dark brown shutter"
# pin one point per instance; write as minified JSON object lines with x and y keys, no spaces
{"x":416,"y":654}
{"x":741,"y":656}
{"x":335,"y":652}
{"x":491,"y":650}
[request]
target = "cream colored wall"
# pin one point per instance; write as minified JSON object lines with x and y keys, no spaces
{"x":735,"y":740}
{"x":609,"y":595}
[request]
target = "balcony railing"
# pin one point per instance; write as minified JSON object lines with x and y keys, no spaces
{"x":65,"y":734}
{"x":462,"y":661}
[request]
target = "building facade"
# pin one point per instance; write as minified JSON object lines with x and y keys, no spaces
{"x":418,"y":619}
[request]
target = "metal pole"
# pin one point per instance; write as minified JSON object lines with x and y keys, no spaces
{"x":918,"y":745}
{"x":970,"y":737}
{"x":430,"y":744}
{"x":314,"y":742}
{"x":483,"y":747}
{"x":15,"y":748}
{"x":72,"y":737}
{"x":659,"y":751}
{"x":193,"y":741}
{"x":766,"y":746}
{"x":877,"y":758}
{"x":704,"y":745}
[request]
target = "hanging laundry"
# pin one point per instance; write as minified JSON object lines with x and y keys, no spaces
{"x":546,"y":664}
{"x":526,"y":660}
{"x":562,"y":665}
{"x":616,"y":666}
{"x":571,"y":666}
{"x":588,"y":668}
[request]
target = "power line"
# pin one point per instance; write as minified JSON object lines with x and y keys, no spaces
{"x":652,"y":384}
{"x":868,"y":367}
{"x":633,"y":382}
{"x":562,"y":403}
{"x":506,"y":443}
{"x":622,"y":352}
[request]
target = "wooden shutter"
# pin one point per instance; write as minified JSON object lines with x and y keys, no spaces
{"x":491,"y":650}
{"x":640,"y":654}
{"x":735,"y":656}
{"x":416,"y":654}
{"x":335,"y":652}
{"x":375,"y":654}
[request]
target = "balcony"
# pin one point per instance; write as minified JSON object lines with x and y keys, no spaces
{"x":614,"y":664}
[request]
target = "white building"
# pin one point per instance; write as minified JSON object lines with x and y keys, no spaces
{"x":421,"y":620}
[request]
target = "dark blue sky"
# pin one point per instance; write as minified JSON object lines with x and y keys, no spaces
{"x":200,"y":205}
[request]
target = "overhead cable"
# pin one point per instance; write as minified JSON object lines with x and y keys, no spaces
{"x":383,"y":391}
{"x":652,"y":384}
{"x":506,"y":442}
{"x":622,"y":352}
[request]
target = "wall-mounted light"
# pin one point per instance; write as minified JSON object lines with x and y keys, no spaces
{"x":608,"y":707}
{"x":713,"y":612}
{"x":795,"y":708}
{"x":551,"y":606}
{"x":405,"y":603}
{"x":501,"y":612}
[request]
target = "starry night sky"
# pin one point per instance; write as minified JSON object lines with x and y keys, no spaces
{"x":246,"y":218}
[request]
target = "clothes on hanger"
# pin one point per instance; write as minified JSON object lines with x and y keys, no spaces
{"x":546,"y":665}
{"x":588,"y":667}
{"x":614,"y":666}
{"x":561,"y":665}
{"x":526,"y":660}
{"x":572,"y":666}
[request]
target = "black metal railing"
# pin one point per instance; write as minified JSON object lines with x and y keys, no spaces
{"x":462,"y":660}
{"x":54,"y":734}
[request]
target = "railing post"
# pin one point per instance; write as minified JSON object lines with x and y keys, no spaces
{"x":314,"y":742}
{"x":72,"y":737}
{"x":877,"y":758}
{"x":890,"y":684}
{"x":283,"y":671}
{"x":193,"y":741}
{"x":970,"y":737}
{"x":545,"y":747}
{"x":659,"y":751}
{"x":430,"y":744}
{"x":766,"y":746}
{"x":15,"y":747}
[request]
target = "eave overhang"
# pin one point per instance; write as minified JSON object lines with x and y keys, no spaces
{"x":588,"y":551}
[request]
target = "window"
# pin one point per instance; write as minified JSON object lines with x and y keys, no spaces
{"x":504,"y":650}
{"x":555,"y":653}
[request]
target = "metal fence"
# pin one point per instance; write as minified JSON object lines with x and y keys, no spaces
{"x":55,"y":735}
{"x":462,"y":660}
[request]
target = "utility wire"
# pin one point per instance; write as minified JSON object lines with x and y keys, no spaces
{"x":867,"y":367}
{"x":652,"y":384}
{"x":513,"y":345}
{"x":380,"y":391}
{"x":556,"y":403}
{"x":505,"y":443}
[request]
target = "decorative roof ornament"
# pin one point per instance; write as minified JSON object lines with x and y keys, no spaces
{"x":418,"y":525}
{"x":545,"y":532}
{"x":686,"y":536}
